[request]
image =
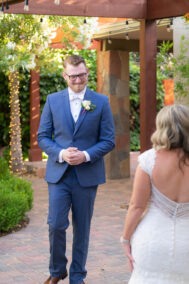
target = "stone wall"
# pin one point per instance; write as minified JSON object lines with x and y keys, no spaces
{"x":113,"y":81}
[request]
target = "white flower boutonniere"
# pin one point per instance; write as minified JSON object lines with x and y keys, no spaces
{"x":87,"y":106}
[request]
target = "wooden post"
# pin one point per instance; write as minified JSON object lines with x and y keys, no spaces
{"x":35,"y":153}
{"x":148,"y":50}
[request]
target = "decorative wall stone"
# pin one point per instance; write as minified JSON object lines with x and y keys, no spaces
{"x":114,"y":82}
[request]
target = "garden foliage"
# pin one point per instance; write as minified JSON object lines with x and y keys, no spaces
{"x":16,"y":197}
{"x":49,"y":83}
{"x":54,"y":82}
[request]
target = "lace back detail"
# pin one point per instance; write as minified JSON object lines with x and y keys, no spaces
{"x":169,"y":207}
{"x":166,"y":205}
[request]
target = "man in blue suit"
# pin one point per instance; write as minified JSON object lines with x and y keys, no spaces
{"x":76,"y":130}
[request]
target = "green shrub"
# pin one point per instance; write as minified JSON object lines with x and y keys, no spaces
{"x":134,"y":140}
{"x":16,"y":197}
{"x":6,"y":154}
{"x":4,"y":169}
{"x":134,"y":101}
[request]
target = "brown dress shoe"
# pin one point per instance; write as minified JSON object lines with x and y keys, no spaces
{"x":54,"y":280}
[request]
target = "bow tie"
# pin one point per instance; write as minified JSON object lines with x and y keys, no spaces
{"x":74,"y":97}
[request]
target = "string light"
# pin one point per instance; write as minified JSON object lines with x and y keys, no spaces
{"x":16,"y":161}
{"x":171,"y":23}
{"x":127,"y":36}
{"x":57,"y":2}
{"x":7,"y":5}
{"x":26,"y":6}
{"x":127,"y":28}
{"x":170,"y":26}
{"x":109,"y":40}
{"x":2,"y":7}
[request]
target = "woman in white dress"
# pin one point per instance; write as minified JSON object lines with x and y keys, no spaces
{"x":156,"y":231}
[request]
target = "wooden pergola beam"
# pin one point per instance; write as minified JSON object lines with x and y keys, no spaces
{"x":158,"y":9}
{"x":135,"y":9}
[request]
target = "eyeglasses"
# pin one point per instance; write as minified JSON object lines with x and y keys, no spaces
{"x":73,"y":78}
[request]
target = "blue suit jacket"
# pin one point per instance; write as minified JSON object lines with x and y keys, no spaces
{"x":93,"y":132}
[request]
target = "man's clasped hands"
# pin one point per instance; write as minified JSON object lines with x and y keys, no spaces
{"x":73,"y":156}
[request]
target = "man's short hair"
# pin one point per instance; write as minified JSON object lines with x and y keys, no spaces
{"x":74,"y":60}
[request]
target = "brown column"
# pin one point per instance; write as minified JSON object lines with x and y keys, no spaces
{"x":148,"y":50}
{"x":113,"y":81}
{"x":35,"y":153}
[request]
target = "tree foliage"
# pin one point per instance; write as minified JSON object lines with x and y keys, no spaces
{"x":170,"y":66}
{"x":165,"y":60}
{"x":49,"y":83}
{"x":181,"y":68}
{"x":24,"y":39}
{"x":24,"y":44}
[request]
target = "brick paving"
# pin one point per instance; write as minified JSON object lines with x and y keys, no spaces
{"x":24,"y":254}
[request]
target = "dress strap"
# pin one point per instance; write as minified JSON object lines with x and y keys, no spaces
{"x":147,"y":161}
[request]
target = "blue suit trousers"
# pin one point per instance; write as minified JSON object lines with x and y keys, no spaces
{"x":65,"y":195}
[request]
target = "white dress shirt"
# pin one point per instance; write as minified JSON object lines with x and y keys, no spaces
{"x":75,"y":102}
{"x":75,"y":107}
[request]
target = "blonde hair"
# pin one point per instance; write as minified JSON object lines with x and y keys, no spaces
{"x":172,"y":130}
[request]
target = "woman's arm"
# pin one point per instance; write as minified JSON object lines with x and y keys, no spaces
{"x":138,"y":203}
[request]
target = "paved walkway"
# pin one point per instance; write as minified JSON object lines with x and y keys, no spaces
{"x":24,"y":255}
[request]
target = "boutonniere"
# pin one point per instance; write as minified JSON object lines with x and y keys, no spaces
{"x":87,"y":106}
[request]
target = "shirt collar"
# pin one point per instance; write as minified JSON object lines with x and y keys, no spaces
{"x":73,"y":94}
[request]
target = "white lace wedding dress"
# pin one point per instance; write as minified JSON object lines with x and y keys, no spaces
{"x":160,"y":244}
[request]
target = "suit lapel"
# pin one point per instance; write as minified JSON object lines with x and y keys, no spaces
{"x":83,"y":113}
{"x":67,"y":110}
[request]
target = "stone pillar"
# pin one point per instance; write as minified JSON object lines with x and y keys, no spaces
{"x":113,"y":81}
{"x":35,"y":153}
{"x":180,"y":29}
